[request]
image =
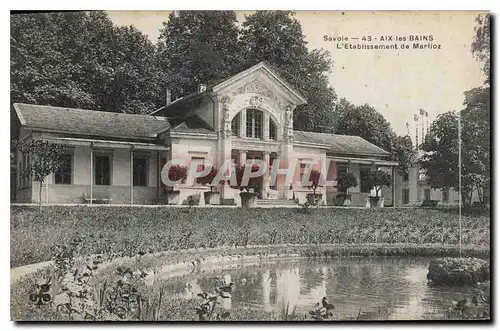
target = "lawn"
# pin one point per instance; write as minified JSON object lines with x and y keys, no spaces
{"x":132,"y":230}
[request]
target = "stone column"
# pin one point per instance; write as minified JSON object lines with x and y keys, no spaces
{"x":225,"y":140}
{"x":265,"y":179}
{"x":286,"y":156}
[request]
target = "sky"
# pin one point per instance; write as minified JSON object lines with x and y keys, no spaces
{"x":397,"y":82}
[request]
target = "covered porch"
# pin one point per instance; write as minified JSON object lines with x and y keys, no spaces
{"x":105,"y":171}
{"x":360,"y":166}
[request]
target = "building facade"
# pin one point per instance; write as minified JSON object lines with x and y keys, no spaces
{"x":118,"y":158}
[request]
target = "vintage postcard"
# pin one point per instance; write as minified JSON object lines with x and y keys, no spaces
{"x":250,"y":166}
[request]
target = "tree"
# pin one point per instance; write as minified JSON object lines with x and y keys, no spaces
{"x":404,"y":153}
{"x":80,"y":59}
{"x":204,"y":47}
{"x":44,"y":159}
{"x":276,"y":37}
{"x":178,"y":173}
{"x":345,"y":181}
{"x":198,"y":47}
{"x":315,"y":178}
{"x":366,"y":122}
{"x":476,"y":146}
{"x":378,"y":178}
{"x":481,"y":43}
{"x":208,"y":179}
{"x":440,"y":161}
{"x":239,"y":171}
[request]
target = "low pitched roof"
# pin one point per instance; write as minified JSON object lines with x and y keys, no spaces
{"x":341,"y":144}
{"x":90,"y":122}
{"x":192,"y":124}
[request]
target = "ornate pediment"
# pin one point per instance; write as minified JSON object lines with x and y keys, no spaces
{"x":255,"y":86}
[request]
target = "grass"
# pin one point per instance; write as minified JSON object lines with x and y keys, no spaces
{"x":129,"y":231}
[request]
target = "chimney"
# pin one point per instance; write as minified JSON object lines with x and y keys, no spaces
{"x":168,"y":99}
{"x":202,"y":88}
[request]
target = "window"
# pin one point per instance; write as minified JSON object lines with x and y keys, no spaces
{"x":140,"y":169}
{"x":305,"y":166}
{"x":254,"y":124}
{"x":445,"y":195}
{"x":272,"y":130}
{"x":235,"y":125}
{"x":102,"y":170}
{"x":427,"y":194}
{"x":406,"y":175}
{"x":64,"y":174}
{"x":363,"y":177}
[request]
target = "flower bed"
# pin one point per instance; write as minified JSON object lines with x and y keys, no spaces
{"x":127,"y":231}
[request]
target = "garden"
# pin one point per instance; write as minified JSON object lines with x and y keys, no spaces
{"x":105,"y":260}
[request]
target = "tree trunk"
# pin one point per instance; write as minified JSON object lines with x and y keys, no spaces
{"x":40,"y":197}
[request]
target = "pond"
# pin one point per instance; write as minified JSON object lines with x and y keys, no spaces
{"x":379,"y":287}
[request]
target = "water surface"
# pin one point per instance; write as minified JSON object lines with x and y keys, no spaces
{"x":382,"y":287}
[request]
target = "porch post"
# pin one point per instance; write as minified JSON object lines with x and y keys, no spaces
{"x":91,"y":171}
{"x":393,"y":186}
{"x":243,"y":157}
{"x":265,"y":179}
{"x":131,"y":175}
{"x":324,"y":175}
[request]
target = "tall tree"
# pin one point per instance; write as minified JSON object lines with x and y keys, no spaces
{"x":476,"y":140}
{"x":440,"y":161}
{"x":198,"y":47}
{"x":481,"y":43}
{"x":366,"y":122}
{"x":276,"y":37}
{"x":80,"y":59}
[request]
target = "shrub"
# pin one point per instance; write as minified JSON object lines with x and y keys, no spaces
{"x":345,"y":181}
{"x":378,"y":178}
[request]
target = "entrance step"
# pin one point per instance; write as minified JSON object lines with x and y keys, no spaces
{"x":275,"y":203}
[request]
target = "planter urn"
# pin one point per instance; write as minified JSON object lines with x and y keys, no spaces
{"x":248,"y":199}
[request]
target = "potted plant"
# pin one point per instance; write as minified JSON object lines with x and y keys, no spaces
{"x":248,"y":199}
{"x":175,"y":173}
{"x":376,"y":179}
{"x":212,"y":197}
{"x":313,"y":198}
{"x":345,"y":181}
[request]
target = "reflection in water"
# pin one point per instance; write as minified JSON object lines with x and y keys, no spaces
{"x":266,"y":291}
{"x":383,"y":288}
{"x":287,"y":288}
